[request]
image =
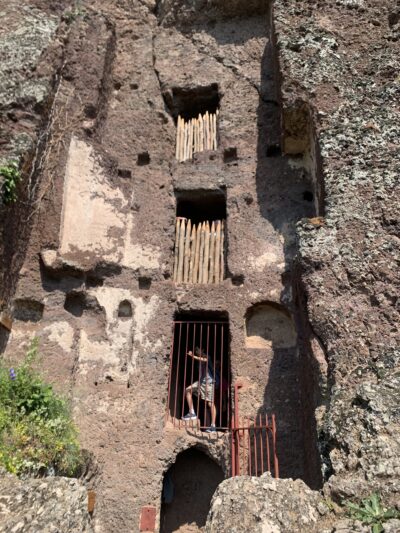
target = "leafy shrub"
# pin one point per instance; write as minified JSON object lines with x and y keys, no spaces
{"x":11,"y":175}
{"x":77,"y":11}
{"x":372,"y":513}
{"x":37,"y":434}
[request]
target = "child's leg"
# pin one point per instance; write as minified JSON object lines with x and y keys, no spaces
{"x":192,"y":389}
{"x":213,"y":410}
{"x":189,"y":400}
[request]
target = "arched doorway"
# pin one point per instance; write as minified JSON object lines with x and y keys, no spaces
{"x":188,"y":487}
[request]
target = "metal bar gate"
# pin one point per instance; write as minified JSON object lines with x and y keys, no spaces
{"x":199,"y":363}
{"x":208,"y":380}
{"x":253,"y":446}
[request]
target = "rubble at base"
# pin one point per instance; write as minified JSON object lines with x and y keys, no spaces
{"x":267,"y":505}
{"x":46,"y":505}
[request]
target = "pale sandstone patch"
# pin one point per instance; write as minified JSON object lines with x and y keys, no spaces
{"x":143,"y":313}
{"x":62,"y":333}
{"x":267,"y":257}
{"x":268,"y":327}
{"x":96,"y":222}
{"x":123,"y":336}
{"x":135,"y":255}
{"x":90,"y":350}
{"x":89,"y":206}
{"x":261,"y":261}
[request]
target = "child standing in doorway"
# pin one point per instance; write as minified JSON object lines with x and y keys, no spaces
{"x":204,"y":388}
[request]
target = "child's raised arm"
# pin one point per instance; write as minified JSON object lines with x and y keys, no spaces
{"x":197,"y":357}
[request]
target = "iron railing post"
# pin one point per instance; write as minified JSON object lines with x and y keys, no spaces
{"x":276,"y":466}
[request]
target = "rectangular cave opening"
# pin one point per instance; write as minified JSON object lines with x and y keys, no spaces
{"x":190,"y":102}
{"x":200,"y":243}
{"x":200,"y":205}
{"x":196,"y":113}
{"x":200,"y":377}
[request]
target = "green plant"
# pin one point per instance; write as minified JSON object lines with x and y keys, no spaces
{"x":11,"y":175}
{"x":371,"y":512}
{"x":329,"y":504}
{"x":78,"y":11}
{"x":37,"y":433}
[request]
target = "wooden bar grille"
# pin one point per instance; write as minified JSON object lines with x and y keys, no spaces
{"x":199,"y":251}
{"x":196,"y":135}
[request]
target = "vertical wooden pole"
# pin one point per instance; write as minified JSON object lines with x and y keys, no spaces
{"x":206,"y":144}
{"x":211,"y":131}
{"x":192,"y":253}
{"x":215,"y":130}
{"x":217,"y":252}
{"x":182,"y":149}
{"x":176,"y":254}
{"x":181,"y":134}
{"x":197,"y":255}
{"x":185,"y":129}
{"x":177,"y":139}
{"x":194,"y":136}
{"x":212,"y":254}
{"x":201,"y":128}
{"x":182,"y":139}
{"x":190,"y":139}
{"x":222,"y":270}
{"x":181,"y":250}
{"x":179,"y":142}
{"x":185,"y":132}
{"x":187,"y":252}
{"x":206,"y":252}
{"x":201,"y":256}
{"x":189,"y":128}
{"x":204,"y":133}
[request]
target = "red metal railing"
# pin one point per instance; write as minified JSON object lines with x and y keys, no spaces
{"x":253,"y":439}
{"x":208,"y":380}
{"x":253,"y":450}
{"x":253,"y":442}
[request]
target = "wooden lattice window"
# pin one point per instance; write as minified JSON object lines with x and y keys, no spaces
{"x":200,"y":237}
{"x":196,"y":135}
{"x":195,"y":110}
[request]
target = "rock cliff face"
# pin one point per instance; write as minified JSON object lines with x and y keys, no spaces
{"x":268,"y":505}
{"x":47,"y":505}
{"x":341,"y":62}
{"x":264,"y":504}
{"x":339,"y":66}
{"x":308,"y":96}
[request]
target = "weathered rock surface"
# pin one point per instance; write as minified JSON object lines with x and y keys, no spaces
{"x":267,"y":505}
{"x":264,"y":505}
{"x":25,"y":74}
{"x":47,"y":505}
{"x":342,"y":62}
{"x":339,"y":65}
